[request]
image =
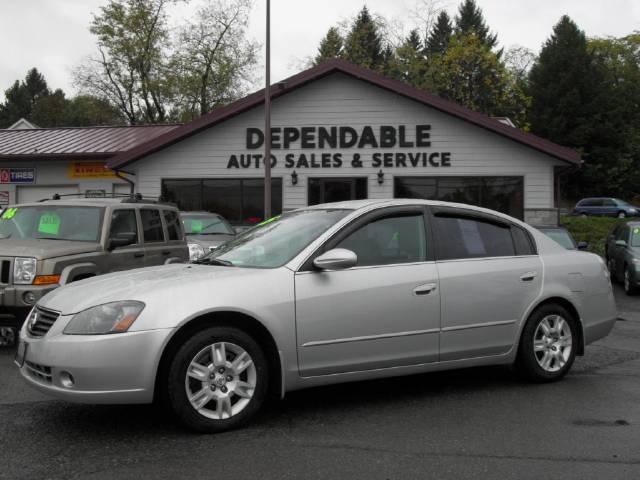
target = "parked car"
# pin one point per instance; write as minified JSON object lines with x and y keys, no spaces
{"x":602,"y":206}
{"x":205,"y":231}
{"x":563,"y":237}
{"x":47,"y":244}
{"x":622,"y":253}
{"x":326,"y":294}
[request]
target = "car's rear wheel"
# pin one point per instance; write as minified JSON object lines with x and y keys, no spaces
{"x":548,"y":344}
{"x":217,"y":380}
{"x":622,"y":214}
{"x":629,"y":287}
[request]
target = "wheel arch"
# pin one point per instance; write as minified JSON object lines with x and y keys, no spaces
{"x":567,"y":305}
{"x":242,"y":321}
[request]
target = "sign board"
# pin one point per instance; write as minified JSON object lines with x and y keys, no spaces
{"x":17,"y":175}
{"x":95,"y":193}
{"x":90,"y":170}
{"x":4,"y":198}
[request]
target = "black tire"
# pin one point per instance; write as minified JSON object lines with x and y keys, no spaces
{"x":622,"y":214}
{"x":175,"y":387}
{"x":629,"y":288}
{"x":527,"y":362}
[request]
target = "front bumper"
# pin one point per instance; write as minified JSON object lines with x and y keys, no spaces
{"x":118,"y":368}
{"x":12,"y":296}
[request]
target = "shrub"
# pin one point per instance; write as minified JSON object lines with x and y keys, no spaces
{"x":594,"y":230}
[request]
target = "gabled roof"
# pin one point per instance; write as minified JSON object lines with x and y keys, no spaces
{"x":77,"y":142}
{"x":22,"y":124}
{"x":315,"y":73}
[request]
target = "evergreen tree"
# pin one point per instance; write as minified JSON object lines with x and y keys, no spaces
{"x":471,"y":20}
{"x":413,"y":40}
{"x":364,"y":44}
{"x":409,"y":62}
{"x":21,"y":98}
{"x":330,"y":46}
{"x":439,"y":37}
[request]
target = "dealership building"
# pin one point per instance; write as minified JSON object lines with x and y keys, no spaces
{"x":338,"y":132}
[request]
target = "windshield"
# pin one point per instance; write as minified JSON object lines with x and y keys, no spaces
{"x":205,"y":225}
{"x":635,"y":237}
{"x":82,"y":224}
{"x":274,"y":242}
{"x":562,"y":237}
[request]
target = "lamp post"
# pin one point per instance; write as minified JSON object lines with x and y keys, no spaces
{"x":267,"y":120}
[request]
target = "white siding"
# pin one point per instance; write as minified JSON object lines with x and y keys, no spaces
{"x":340,"y":100}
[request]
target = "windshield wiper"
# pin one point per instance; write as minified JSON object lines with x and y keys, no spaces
{"x":214,"y":261}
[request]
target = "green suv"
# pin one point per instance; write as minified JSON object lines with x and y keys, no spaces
{"x":54,"y":242}
{"x":622,"y":253}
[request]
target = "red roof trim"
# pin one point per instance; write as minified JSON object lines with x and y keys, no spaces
{"x":296,"y":81}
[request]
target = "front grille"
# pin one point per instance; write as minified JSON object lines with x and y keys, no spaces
{"x":5,"y":271}
{"x":39,"y":372}
{"x":42,"y":323}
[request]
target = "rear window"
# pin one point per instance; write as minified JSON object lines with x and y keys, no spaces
{"x":151,"y":225}
{"x":470,"y":238}
{"x":174,"y":229}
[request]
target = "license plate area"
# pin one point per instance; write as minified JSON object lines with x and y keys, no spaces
{"x":21,"y":353}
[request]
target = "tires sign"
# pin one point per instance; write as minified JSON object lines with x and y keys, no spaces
{"x":18,"y":175}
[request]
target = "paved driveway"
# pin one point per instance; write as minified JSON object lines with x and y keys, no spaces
{"x":475,"y":423}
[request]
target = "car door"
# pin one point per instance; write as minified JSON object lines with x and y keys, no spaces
{"x":124,"y":220}
{"x":609,"y":207}
{"x":489,"y":274}
{"x":617,"y":252}
{"x":176,"y":248}
{"x":384,"y":312}
{"x":155,"y":248}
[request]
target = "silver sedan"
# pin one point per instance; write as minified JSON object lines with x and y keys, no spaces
{"x":326,"y":294}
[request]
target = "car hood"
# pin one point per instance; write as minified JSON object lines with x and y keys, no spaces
{"x":143,"y":284}
{"x":210,"y":240}
{"x":44,"y":248}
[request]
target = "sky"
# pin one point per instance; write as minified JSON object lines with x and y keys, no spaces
{"x":53,"y":35}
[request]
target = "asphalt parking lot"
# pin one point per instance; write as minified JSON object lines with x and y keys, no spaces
{"x":475,"y":423}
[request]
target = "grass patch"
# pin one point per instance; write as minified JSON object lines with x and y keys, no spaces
{"x":594,"y":230}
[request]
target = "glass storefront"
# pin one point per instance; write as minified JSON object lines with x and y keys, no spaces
{"x":332,"y":189}
{"x":504,"y":194}
{"x":239,"y":200}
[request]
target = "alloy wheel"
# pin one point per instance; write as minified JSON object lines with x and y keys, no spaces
{"x":552,"y":343}
{"x":627,"y":281}
{"x":220,"y":380}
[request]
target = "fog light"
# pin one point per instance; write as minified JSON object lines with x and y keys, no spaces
{"x":66,"y":379}
{"x":29,"y":298}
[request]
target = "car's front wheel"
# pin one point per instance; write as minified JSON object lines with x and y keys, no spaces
{"x":629,"y":287}
{"x":217,"y":380}
{"x":548,"y":344}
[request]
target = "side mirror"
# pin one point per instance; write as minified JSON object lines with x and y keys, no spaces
{"x":122,"y":239}
{"x":582,"y":245}
{"x":336,"y":259}
{"x":621,"y":243}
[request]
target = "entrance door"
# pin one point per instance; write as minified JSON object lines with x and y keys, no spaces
{"x":328,"y":189}
{"x":384,"y":312}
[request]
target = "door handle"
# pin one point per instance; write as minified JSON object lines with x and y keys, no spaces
{"x":138,"y":254}
{"x":425,"y":289}
{"x":529,"y":276}
{"x":166,"y":252}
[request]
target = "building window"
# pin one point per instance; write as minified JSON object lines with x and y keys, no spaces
{"x":239,"y":200}
{"x":333,"y":189}
{"x":503,"y":194}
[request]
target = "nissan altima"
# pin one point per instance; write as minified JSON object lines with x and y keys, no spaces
{"x":331,"y":293}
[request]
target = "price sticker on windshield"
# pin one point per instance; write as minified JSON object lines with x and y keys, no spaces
{"x":197,"y":226}
{"x":266,"y":222}
{"x":9,"y":213}
{"x":636,"y":230}
{"x":49,"y":224}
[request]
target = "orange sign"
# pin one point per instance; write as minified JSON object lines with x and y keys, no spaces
{"x":90,"y":170}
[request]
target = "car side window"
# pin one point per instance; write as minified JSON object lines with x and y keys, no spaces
{"x":389,"y":240}
{"x":621,"y":233}
{"x":607,"y":202}
{"x":522,"y":241}
{"x":151,"y":225}
{"x":123,"y":221}
{"x":174,"y":227}
{"x":460,"y":238}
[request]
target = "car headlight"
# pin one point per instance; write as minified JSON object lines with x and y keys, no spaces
{"x":636,"y":261}
{"x":195,"y":251}
{"x":115,"y":317}
{"x":24,"y":270}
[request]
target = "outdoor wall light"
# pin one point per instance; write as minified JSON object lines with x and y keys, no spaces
{"x":294,"y":178}
{"x":380,"y":177}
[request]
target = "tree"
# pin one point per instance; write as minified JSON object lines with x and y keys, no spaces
{"x":85,"y":110}
{"x":22,"y":97}
{"x":133,"y":40}
{"x":470,"y":19}
{"x":364,"y":45}
{"x":50,"y":110}
{"x":439,"y":36}
{"x":330,"y":46}
{"x":213,"y":58}
{"x":409,"y":62}
{"x":470,"y":74}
